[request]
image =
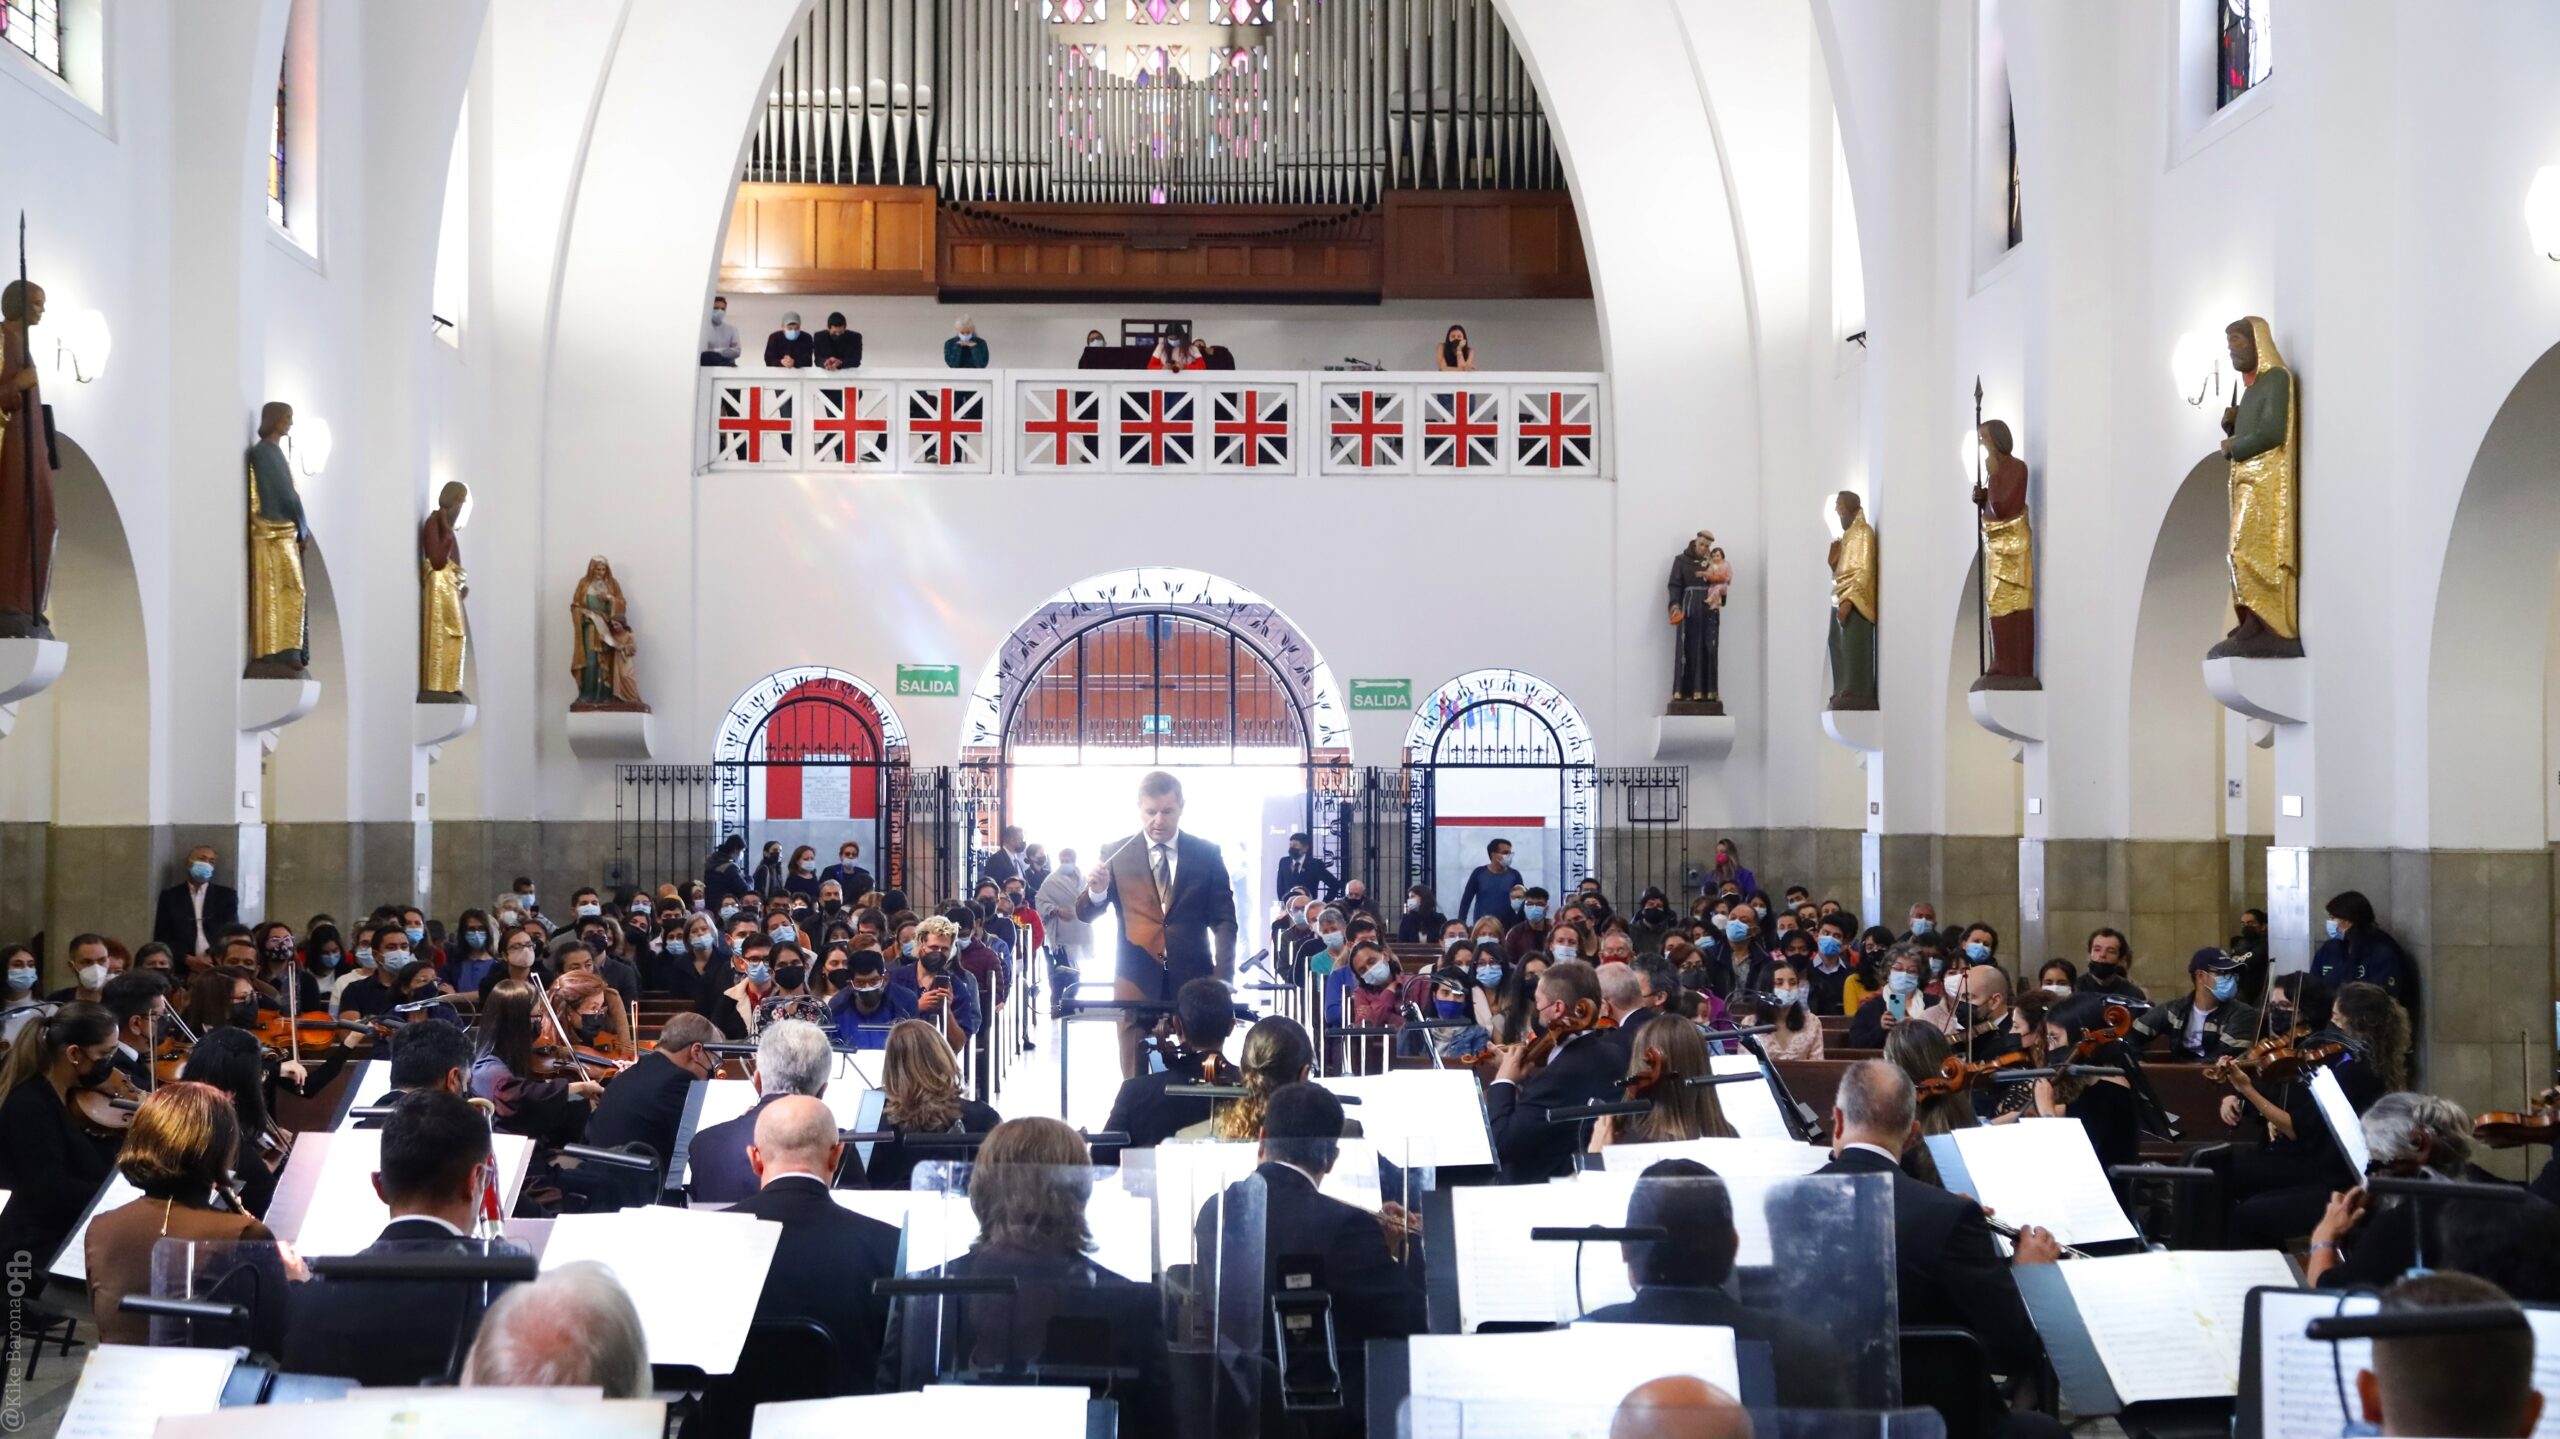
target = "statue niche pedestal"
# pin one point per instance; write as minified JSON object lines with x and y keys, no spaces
{"x":609,"y":734}
{"x":1693,"y":734}
{"x":269,"y":705}
{"x":27,"y":668}
{"x":2012,"y":714}
{"x":1860,"y":730}
{"x":2276,"y":691}
{"x":433,"y":726}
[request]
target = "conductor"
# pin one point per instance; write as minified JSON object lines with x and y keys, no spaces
{"x":1174,"y":896}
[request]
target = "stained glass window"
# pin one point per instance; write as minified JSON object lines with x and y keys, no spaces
{"x":1159,"y":62}
{"x":2245,"y":54}
{"x":1159,"y":12}
{"x":1073,"y":12}
{"x":275,"y":160}
{"x":1240,"y":12}
{"x":1239,"y":59}
{"x":35,"y":27}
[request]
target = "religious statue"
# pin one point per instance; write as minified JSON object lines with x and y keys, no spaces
{"x":1853,"y":616}
{"x":443,"y":637}
{"x":2265,"y":429}
{"x":279,"y":623}
{"x":1700,"y":578}
{"x":26,"y":470}
{"x":2008,"y":562}
{"x":602,"y":648}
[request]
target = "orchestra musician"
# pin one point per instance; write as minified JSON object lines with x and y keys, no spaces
{"x":920,"y":1085}
{"x":540,"y":1103}
{"x":1276,"y":1052}
{"x":793,"y":1058}
{"x":50,"y":1161}
{"x":2280,"y":1180}
{"x":232,"y":1060}
{"x":645,"y":1103}
{"x":829,"y":1257}
{"x":135,"y":999}
{"x":1581,"y":1067}
{"x":1203,"y":1017}
{"x":178,"y":1153}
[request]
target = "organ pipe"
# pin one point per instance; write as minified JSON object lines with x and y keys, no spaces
{"x":1336,"y":102}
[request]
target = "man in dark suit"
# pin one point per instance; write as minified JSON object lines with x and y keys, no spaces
{"x":133,"y":997}
{"x":1948,"y":1272}
{"x":1204,"y":1016}
{"x":645,"y":1103}
{"x":1174,"y":898}
{"x":435,"y":1165}
{"x":793,"y":1060}
{"x":1006,"y":863}
{"x":1582,"y":1068}
{"x":193,"y":913}
{"x":1301,"y":869}
{"x":824,"y":1267}
{"x":1313,"y":1240}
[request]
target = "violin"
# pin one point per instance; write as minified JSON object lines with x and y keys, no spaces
{"x":1642,"y":1082}
{"x":2276,"y":1059}
{"x":1584,"y":1016}
{"x":2114,"y":1023}
{"x":107,"y":1111}
{"x":285,"y":1041}
{"x":1958,"y":1075}
{"x":2513,"y":1129}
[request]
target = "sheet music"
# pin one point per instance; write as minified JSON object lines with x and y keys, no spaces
{"x":127,"y":1389}
{"x":1504,"y":1385}
{"x":332,"y":1172}
{"x":889,"y":1206}
{"x":74,"y":1263}
{"x":1016,"y":1411}
{"x":726,"y":1099}
{"x":2298,"y":1392}
{"x":433,"y":1414}
{"x":2341,"y":1118}
{"x":1505,"y":1275}
{"x":1752,"y":1109}
{"x":2043,"y":1172}
{"x":2168,"y":1325}
{"x":1729,"y":1158}
{"x":1421,"y":1118}
{"x":685,"y":1319}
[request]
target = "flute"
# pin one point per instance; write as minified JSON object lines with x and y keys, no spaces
{"x":2010,"y":1232}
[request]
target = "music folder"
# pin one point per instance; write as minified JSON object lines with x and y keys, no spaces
{"x":2296,"y":1387}
{"x":2146,"y":1328}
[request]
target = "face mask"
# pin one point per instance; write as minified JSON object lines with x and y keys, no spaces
{"x":1093,"y":342}
{"x":476,"y":938}
{"x":328,"y":959}
{"x":528,"y":901}
{"x":2335,"y":929}
{"x":1536,"y":912}
{"x":200,"y":872}
{"x":1449,"y":1008}
{"x":2279,"y":1021}
{"x":657,"y":946}
{"x":785,"y":934}
{"x":1937,"y":966}
{"x":1967,"y":1013}
{"x":759,"y":974}
{"x":907,"y":948}
{"x":728,"y":911}
{"x":1788,"y":997}
{"x":96,"y":1075}
{"x":934,"y":963}
{"x":791,"y":332}
{"x":590,"y":911}
{"x":395,"y":962}
{"x":1566,"y":951}
{"x":417,"y":933}
{"x":589,"y":1026}
{"x":1736,"y":930}
{"x":1901,"y":981}
{"x":1411,"y":905}
{"x":1450,"y":946}
{"x":364,"y":958}
{"x":92,"y":975}
{"x":22,"y":980}
{"x":791,"y":976}
{"x":2058,"y":990}
{"x":245,"y":1014}
{"x":1829,"y":944}
{"x":1978,"y":952}
{"x":1333,"y":938}
{"x":1375,"y":975}
{"x":2225,"y":986}
{"x":2099,"y":971}
{"x":719,"y":317}
{"x":1922,"y":926}
{"x":1488,"y":975}
{"x":806,"y":865}
{"x":701,"y":943}
{"x":866,"y":997}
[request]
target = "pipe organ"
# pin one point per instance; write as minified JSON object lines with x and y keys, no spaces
{"x":1288,"y":102}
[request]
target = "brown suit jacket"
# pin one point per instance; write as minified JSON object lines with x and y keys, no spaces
{"x":118,"y":1255}
{"x":1163,"y":945}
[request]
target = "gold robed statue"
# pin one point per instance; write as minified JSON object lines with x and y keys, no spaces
{"x":443,"y":633}
{"x":1854,"y":594}
{"x":603,"y":647}
{"x":2008,"y":560}
{"x":279,"y":605}
{"x":2265,"y":426}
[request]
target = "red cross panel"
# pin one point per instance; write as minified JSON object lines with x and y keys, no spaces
{"x":1558,"y":428}
{"x":1158,"y":428}
{"x":1461,"y":430}
{"x":1060,"y":426}
{"x":1251,"y":429}
{"x":754,"y":424}
{"x":1366,"y":430}
{"x":849,"y":425}
{"x":946,"y":426}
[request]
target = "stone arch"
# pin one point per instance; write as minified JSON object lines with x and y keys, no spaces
{"x":2174,"y":756}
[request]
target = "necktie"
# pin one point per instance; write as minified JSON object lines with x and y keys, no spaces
{"x":1164,"y":878}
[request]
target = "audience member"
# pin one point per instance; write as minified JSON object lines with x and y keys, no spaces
{"x":1455,"y":351}
{"x":720,"y":345}
{"x":839,"y":349}
{"x":195,"y":911}
{"x":964,"y":350}
{"x":790,"y":348}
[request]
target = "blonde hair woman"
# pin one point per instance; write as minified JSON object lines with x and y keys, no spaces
{"x":920,"y":1094}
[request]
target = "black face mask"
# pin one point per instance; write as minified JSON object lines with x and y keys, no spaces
{"x":590,"y":1025}
{"x":2105,"y":971}
{"x":96,"y":1074}
{"x":791,"y":976}
{"x":245,"y":1015}
{"x":870,"y":1000}
{"x":933,"y":963}
{"x":1967,"y":1012}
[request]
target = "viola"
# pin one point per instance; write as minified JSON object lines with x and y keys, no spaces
{"x":1958,"y":1075}
{"x":2276,"y":1059}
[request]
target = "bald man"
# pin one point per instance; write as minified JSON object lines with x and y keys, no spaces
{"x":575,"y":1327}
{"x":1679,"y":1407}
{"x":824,"y":1267}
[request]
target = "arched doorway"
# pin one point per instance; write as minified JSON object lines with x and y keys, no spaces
{"x":814,"y":756}
{"x":1155,"y":669}
{"x":1499,"y":754}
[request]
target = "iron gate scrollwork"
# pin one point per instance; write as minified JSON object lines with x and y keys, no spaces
{"x":1363,"y":829}
{"x":1643,"y":833}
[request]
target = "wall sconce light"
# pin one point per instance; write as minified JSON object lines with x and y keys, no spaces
{"x":311,"y":443}
{"x":2197,"y":365}
{"x":2542,"y":211}
{"x":81,"y":345}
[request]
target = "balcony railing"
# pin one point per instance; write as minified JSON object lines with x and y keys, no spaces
{"x":1215,"y":422}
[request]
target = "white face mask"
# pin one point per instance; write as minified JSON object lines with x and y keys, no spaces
{"x":92,"y":975}
{"x":2063,"y":990}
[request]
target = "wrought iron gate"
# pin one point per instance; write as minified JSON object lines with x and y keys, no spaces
{"x":952,"y":815}
{"x":1642,"y":838}
{"x":665,"y":822}
{"x":1363,"y":829}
